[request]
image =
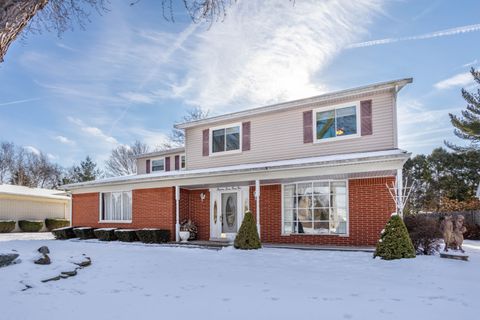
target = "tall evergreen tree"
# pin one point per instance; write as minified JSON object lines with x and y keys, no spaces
{"x":467,"y":126}
{"x":86,"y":171}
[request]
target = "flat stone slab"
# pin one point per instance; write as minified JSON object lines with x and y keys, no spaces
{"x":454,"y":256}
{"x":7,"y":258}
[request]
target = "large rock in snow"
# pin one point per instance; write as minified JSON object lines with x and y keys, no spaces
{"x":7,"y":258}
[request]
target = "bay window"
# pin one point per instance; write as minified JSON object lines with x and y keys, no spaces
{"x":225,"y":139}
{"x":116,"y":206}
{"x":318,"y":207}
{"x":341,"y":121}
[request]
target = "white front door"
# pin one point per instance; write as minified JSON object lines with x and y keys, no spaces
{"x":227,"y":206}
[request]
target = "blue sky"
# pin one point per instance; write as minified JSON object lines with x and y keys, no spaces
{"x":131,"y":74}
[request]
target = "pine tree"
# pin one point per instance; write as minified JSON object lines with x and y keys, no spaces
{"x":467,"y":126}
{"x":395,"y":242}
{"x":247,"y":237}
{"x":86,"y":171}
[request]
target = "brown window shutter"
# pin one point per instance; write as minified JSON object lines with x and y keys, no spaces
{"x":177,"y":162}
{"x":366,"y":117}
{"x":148,"y":166}
{"x":308,"y":126}
{"x":246,"y":136}
{"x":167,"y":163}
{"x":205,"y":149}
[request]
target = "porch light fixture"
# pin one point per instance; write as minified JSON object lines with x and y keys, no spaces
{"x":202,"y":196}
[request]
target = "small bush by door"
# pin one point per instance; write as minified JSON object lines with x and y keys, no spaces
{"x":247,"y":237}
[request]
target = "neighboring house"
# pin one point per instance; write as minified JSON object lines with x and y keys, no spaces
{"x":312,"y":171}
{"x":24,"y":203}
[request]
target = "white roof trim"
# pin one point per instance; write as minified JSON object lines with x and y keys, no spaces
{"x":331,"y":160}
{"x":22,"y":191}
{"x":160,"y":153}
{"x":394,"y":84}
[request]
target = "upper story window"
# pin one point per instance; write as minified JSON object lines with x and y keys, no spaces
{"x":158,"y":164}
{"x":225,"y":139}
{"x":337,"y":122}
{"x":183,"y":162}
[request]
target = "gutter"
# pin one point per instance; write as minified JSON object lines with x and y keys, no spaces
{"x":187,"y":175}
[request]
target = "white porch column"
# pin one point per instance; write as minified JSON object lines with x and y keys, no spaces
{"x":400,"y":192}
{"x":257,"y":204}
{"x":177,"y":213}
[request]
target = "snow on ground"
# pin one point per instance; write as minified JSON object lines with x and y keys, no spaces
{"x":128,"y":281}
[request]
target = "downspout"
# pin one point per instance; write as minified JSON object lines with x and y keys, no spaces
{"x":257,"y":204}
{"x":177,"y":213}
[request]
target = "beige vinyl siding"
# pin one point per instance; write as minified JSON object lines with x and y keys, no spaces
{"x":279,"y":135}
{"x":32,"y":208}
{"x":142,"y":162}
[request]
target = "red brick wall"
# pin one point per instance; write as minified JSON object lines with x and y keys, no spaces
{"x":370,"y":206}
{"x":151,"y":208}
{"x":197,"y":210}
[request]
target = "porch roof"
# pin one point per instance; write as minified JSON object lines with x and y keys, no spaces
{"x":341,"y":163}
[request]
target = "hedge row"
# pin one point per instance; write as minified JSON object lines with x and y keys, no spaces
{"x":32,"y":225}
{"x":111,"y":234}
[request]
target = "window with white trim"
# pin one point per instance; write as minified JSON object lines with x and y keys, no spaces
{"x":318,"y":207}
{"x":226,"y":139}
{"x":116,"y":206}
{"x":158,"y":164}
{"x":183,"y":162}
{"x":340,"y":121}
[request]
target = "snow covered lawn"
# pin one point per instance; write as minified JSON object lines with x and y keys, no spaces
{"x":134,"y":281}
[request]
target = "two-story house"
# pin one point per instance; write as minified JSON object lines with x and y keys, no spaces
{"x":312,"y":171}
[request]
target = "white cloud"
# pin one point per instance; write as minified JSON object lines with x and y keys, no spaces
{"x":32,"y":150}
{"x":436,"y":34}
{"x":137,"y":97}
{"x":64,"y":140}
{"x":18,"y":101}
{"x":51,"y":156}
{"x":93,"y":131}
{"x":270,"y":51}
{"x":458,"y":80}
{"x":471,"y":63}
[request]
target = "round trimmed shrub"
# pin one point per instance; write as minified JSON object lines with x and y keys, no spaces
{"x":105,"y":234}
{"x":126,"y":235}
{"x":7,"y":226}
{"x":51,"y":224}
{"x":153,"y":235}
{"x":30,"y":225}
{"x":84,"y":233}
{"x":247,"y":237}
{"x":395,"y":242}
{"x":63,"y":233}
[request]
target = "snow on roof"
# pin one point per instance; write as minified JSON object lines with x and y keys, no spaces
{"x":235,"y":169}
{"x":160,"y":153}
{"x":9,"y":189}
{"x":397,"y":84}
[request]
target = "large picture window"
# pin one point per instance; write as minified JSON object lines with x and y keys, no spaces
{"x":226,"y":139}
{"x":318,"y":207}
{"x":337,"y":122}
{"x":116,"y":206}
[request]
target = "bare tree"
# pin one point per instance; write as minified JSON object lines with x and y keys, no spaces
{"x":7,"y":154}
{"x":60,"y":15}
{"x":122,"y":159}
{"x":21,"y":167}
{"x":176,"y":138}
